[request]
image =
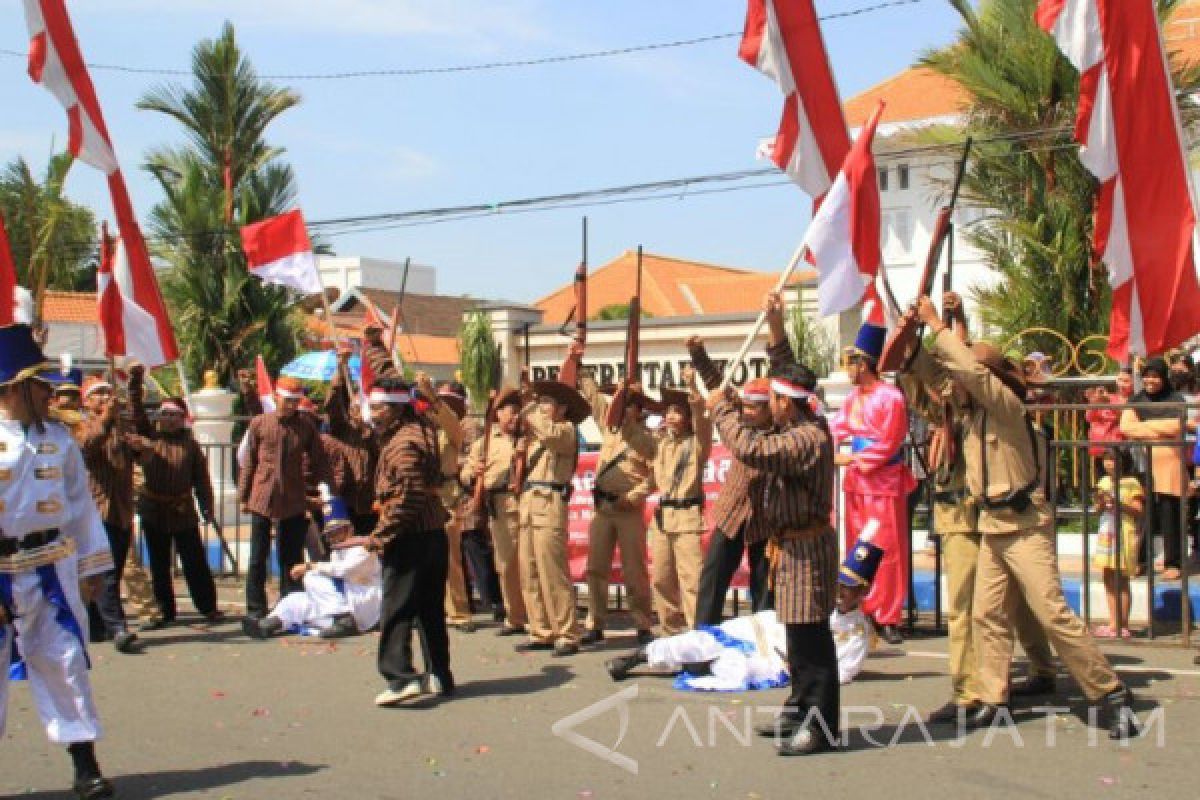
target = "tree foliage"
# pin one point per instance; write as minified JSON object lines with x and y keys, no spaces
{"x":53,"y":240}
{"x":224,"y":177}
{"x":617,"y":311}
{"x":1025,"y":171}
{"x":812,"y":342}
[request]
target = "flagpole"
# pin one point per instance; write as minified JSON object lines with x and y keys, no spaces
{"x":797,"y":257}
{"x":334,"y":337}
{"x":184,"y":389}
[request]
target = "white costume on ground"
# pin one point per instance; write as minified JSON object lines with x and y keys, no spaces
{"x":752,"y":653}
{"x":43,"y":486}
{"x":853,"y":640}
{"x":351,"y":582}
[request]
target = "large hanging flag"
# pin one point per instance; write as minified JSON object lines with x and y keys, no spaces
{"x":8,"y":279}
{"x":278,"y":251}
{"x":128,"y":328}
{"x":55,"y":62}
{"x":843,"y":237}
{"x":1131,"y":140}
{"x":782,"y":39}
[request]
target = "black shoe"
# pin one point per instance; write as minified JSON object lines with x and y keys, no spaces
{"x":890,"y":634}
{"x":620,"y":667}
{"x":782,"y":727}
{"x":564,"y":649}
{"x":531,"y":646}
{"x":592,"y":636}
{"x":1033,"y":686}
{"x":498,"y":614}
{"x":125,"y":642}
{"x":985,"y":715}
{"x":157,"y":624}
{"x":645,"y":637}
{"x":1116,"y":708}
{"x":465,"y":627}
{"x":263,"y":628}
{"x":509,"y":630}
{"x":343,"y":626}
{"x":806,"y":742}
{"x":93,"y":788}
{"x":951,"y":713}
{"x":215,"y":617}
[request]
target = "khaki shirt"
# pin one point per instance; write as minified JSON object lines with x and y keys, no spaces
{"x":668,"y":462}
{"x":553,"y":455}
{"x":449,"y":441}
{"x":629,"y":480}
{"x":995,"y":430}
{"x":497,"y":474}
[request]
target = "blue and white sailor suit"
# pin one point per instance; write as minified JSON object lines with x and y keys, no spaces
{"x":45,"y":499}
{"x":351,"y":582}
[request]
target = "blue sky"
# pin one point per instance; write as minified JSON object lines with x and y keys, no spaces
{"x":389,"y":144}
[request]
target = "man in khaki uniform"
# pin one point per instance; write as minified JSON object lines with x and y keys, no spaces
{"x":550,"y":465}
{"x":677,"y":471}
{"x":621,"y":488}
{"x":501,"y":503}
{"x":1017,"y":552}
{"x":947,"y":407}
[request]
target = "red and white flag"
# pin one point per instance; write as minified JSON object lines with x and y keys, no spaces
{"x":843,"y":237}
{"x":263,"y":385}
{"x":278,"y":251}
{"x":366,"y":382}
{"x":55,"y":62}
{"x":128,"y":328}
{"x":1128,"y":126}
{"x":782,"y":39}
{"x":8,"y":280}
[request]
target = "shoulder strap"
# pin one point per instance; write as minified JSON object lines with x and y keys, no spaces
{"x":685,"y":456}
{"x":611,"y":465}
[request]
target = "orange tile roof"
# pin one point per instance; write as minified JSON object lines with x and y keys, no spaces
{"x":666,"y":283}
{"x":70,"y":307}
{"x":918,"y":93}
{"x":742,"y":293}
{"x":417,"y":348}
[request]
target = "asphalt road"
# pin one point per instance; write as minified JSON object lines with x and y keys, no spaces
{"x":210,"y":714}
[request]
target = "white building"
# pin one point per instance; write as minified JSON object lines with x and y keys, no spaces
{"x":349,"y":272}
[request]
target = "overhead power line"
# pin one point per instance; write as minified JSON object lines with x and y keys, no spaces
{"x":411,"y":72}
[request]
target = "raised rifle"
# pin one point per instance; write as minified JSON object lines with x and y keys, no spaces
{"x":616,"y":409}
{"x":478,"y":508}
{"x":520,"y":462}
{"x":569,"y":374}
{"x":909,"y":330}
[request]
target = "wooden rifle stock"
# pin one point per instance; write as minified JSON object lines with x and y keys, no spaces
{"x":520,"y":463}
{"x":569,"y":374}
{"x":616,"y":409}
{"x":909,"y":330}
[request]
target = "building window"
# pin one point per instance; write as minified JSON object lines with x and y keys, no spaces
{"x":883,"y":179}
{"x":902,"y":173}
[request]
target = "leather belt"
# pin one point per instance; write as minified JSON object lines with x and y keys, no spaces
{"x":607,"y":497}
{"x":682,"y":502}
{"x":951,"y":496}
{"x":30,"y":541}
{"x":562,"y":488}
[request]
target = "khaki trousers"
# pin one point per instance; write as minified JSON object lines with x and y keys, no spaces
{"x":678,"y":558}
{"x":960,"y":558}
{"x":546,"y":583}
{"x":505,"y":530}
{"x":624,"y":529}
{"x":458,"y":605}
{"x":1025,"y":563}
{"x":139,"y":592}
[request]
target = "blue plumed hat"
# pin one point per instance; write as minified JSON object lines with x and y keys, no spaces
{"x":337,"y":515}
{"x":870,"y":341}
{"x":862,"y":562}
{"x":20,"y":355}
{"x":64,"y":377}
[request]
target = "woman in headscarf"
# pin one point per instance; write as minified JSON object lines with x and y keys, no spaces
{"x":1166,"y":462}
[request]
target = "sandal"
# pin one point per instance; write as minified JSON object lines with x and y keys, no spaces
{"x":1104,"y":632}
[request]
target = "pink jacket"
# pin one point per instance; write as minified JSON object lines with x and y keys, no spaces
{"x":876,"y":424}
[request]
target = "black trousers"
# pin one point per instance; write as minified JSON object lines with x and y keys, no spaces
{"x":481,"y":566}
{"x":163,"y":545}
{"x":414,"y":594}
{"x":364,"y":524}
{"x":812,"y":663}
{"x":1164,"y":521}
{"x":106,"y":617}
{"x":289,"y":551}
{"x":722,"y":560}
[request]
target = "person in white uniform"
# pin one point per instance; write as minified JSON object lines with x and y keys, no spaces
{"x":53,"y":554}
{"x":341,"y":596}
{"x":749,"y":652}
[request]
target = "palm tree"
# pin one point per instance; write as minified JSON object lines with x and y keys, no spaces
{"x":53,"y":240}
{"x":1038,"y":231}
{"x":226,"y":176}
{"x":480,"y":357}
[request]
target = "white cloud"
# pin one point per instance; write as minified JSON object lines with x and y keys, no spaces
{"x":405,"y":163}
{"x":481,"y":24}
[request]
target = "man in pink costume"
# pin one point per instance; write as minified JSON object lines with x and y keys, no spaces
{"x":876,"y":481}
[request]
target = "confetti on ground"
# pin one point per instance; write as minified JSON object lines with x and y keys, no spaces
{"x":1107,"y":780}
{"x":431,"y":761}
{"x":586,"y":794}
{"x":437,"y":773}
{"x":261,"y":712}
{"x":483,"y":749}
{"x":217,"y":694}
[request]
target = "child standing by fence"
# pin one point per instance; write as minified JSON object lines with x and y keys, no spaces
{"x":1117,"y":543}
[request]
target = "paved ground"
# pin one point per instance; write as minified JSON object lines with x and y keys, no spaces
{"x":207,"y":713}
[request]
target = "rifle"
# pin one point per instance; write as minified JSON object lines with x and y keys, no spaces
{"x":569,"y":374}
{"x":478,"y":507}
{"x":520,"y":462}
{"x":616,"y":409}
{"x":910,"y":330}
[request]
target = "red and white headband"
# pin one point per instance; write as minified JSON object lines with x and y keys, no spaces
{"x":97,"y":386}
{"x":290,"y":394}
{"x":173,"y":405}
{"x":398,"y":397}
{"x":755,"y":397}
{"x":789,"y":389}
